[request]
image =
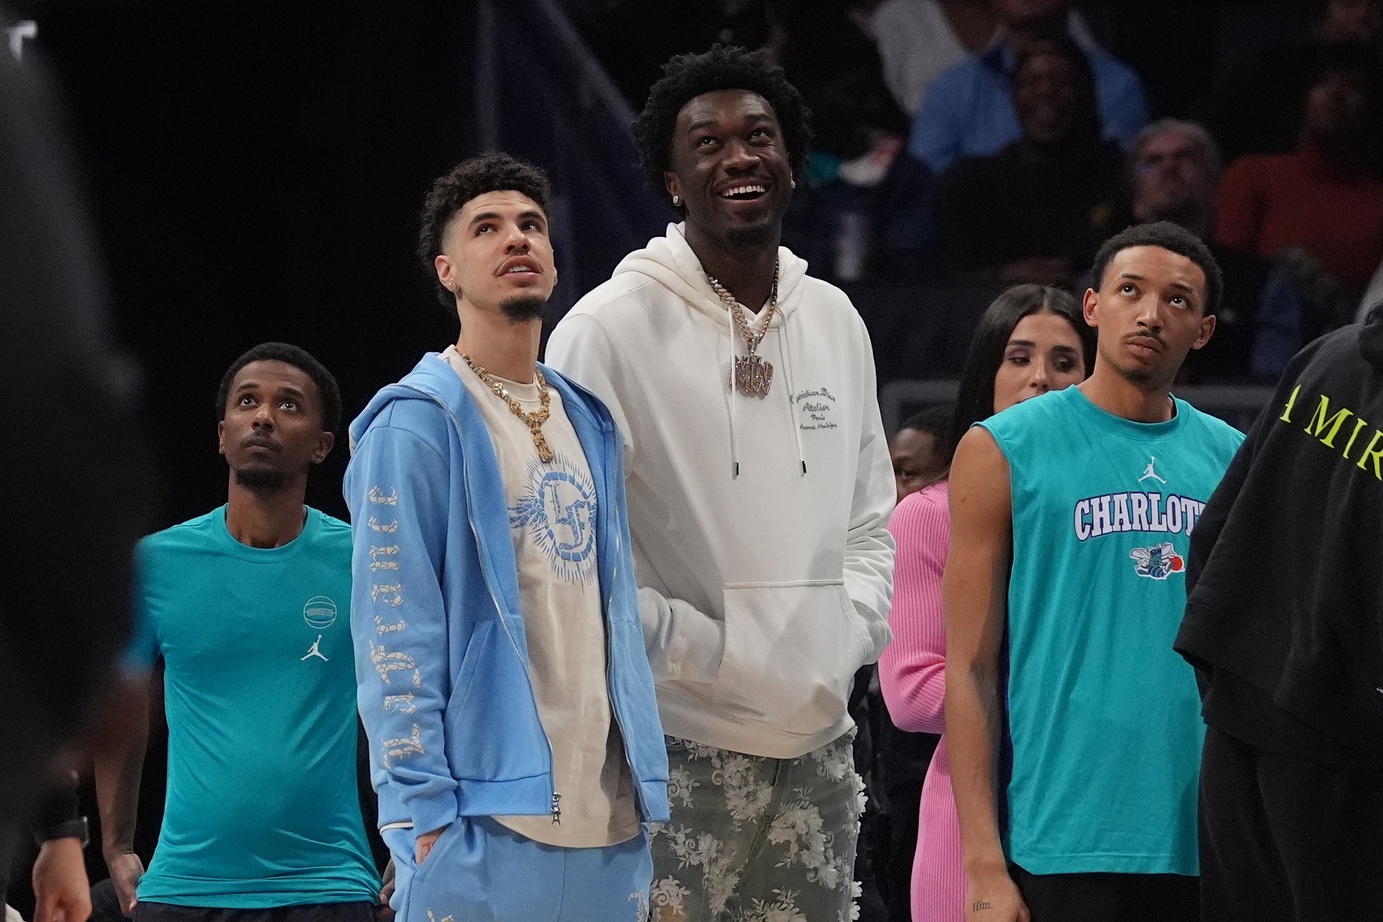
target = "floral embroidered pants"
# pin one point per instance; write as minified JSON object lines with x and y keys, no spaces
{"x":754,"y":839}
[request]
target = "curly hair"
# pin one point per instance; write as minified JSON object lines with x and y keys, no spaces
{"x":465,"y":181}
{"x":724,"y":67}
{"x":288,"y":354}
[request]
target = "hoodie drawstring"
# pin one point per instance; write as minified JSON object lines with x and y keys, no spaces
{"x":730,"y":374}
{"x":792,"y":391}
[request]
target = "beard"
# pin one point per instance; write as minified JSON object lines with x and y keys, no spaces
{"x":262,"y":481}
{"x":523,"y":308}
{"x":755,"y":235}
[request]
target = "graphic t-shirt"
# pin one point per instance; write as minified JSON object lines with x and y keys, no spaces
{"x":1104,"y":717}
{"x":552,"y":507}
{"x":262,"y":807}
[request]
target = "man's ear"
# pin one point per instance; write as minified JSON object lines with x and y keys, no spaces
{"x":1207,"y":329}
{"x":1088,"y":304}
{"x":221,"y":437}
{"x":324,"y":442}
{"x":446,"y":272}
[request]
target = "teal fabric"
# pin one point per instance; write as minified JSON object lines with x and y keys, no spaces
{"x":1104,"y":717}
{"x":262,"y":807}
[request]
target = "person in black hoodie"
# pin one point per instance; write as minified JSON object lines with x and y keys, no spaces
{"x":1284,"y":625}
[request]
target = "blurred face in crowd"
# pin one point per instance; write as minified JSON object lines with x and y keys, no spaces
{"x":1358,"y":21}
{"x":916,"y":458}
{"x":730,"y":168}
{"x":1019,"y":14}
{"x":1043,"y":354}
{"x":1048,"y":99}
{"x":1149,"y":312}
{"x":1173,"y":178}
{"x":1336,"y":114}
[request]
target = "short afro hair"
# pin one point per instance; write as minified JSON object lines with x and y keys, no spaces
{"x":1168,"y":236}
{"x":465,"y":181}
{"x":724,"y":67}
{"x":288,"y":354}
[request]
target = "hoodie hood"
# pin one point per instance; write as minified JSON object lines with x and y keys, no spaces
{"x":1371,"y":337}
{"x":670,"y":261}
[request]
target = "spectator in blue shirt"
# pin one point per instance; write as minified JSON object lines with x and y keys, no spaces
{"x":968,"y":110}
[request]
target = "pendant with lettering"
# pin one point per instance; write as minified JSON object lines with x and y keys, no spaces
{"x":753,"y":376}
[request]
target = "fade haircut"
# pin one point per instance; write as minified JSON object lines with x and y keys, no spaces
{"x":328,"y":394}
{"x":935,"y":420}
{"x":467,"y":180}
{"x":724,"y":67}
{"x":1171,"y":237}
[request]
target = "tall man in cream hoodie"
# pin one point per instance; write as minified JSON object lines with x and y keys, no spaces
{"x":759,"y":491}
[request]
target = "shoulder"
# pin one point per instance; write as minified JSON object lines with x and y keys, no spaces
{"x":195,"y":532}
{"x":620,"y":298}
{"x":1110,"y":71}
{"x":330,"y":527}
{"x":1210,"y":430}
{"x":924,"y":510}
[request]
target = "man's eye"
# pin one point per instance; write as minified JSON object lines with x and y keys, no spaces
{"x":1127,"y":288}
{"x":289,"y":404}
{"x":247,"y":401}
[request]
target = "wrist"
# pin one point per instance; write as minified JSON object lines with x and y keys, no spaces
{"x":75,"y":828}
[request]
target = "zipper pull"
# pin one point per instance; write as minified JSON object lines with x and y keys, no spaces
{"x":556,"y":809}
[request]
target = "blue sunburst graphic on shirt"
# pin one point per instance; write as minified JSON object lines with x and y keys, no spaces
{"x":557,"y":510}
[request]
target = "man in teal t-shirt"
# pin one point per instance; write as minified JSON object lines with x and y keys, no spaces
{"x":1064,"y":588}
{"x":249,"y":607}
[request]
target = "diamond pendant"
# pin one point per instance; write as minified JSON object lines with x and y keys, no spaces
{"x":753,"y":376}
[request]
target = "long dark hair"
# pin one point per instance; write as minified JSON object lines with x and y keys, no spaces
{"x":975,"y":401}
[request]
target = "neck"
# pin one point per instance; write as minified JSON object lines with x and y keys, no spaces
{"x":747,"y":272}
{"x":266,"y":518}
{"x":972,"y":21}
{"x":1141,"y":402}
{"x":504,"y":349}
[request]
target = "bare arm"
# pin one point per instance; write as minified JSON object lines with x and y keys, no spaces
{"x":119,"y":765}
{"x":974,"y":592}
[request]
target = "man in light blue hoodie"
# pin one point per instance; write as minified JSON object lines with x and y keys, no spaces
{"x":514,"y":735}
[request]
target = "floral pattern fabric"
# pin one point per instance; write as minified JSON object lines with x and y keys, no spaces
{"x":755,"y":839}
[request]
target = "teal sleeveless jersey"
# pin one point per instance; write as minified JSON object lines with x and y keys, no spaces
{"x":1103,"y":716}
{"x":262,"y":807}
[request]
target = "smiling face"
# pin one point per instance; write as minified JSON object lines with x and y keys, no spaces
{"x":1048,"y":100}
{"x":730,"y":169}
{"x":272,"y":432}
{"x":497,"y":256}
{"x":1043,"y":353}
{"x":1149,"y":313}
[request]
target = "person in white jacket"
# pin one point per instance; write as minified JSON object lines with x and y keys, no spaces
{"x":760,"y":488}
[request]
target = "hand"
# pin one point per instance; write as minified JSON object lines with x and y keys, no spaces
{"x":425,"y":843}
{"x":125,"y":870}
{"x":994,"y":897}
{"x":62,"y":892}
{"x":383,"y":912}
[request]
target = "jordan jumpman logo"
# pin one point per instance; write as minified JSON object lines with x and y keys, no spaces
{"x":315,"y":650}
{"x":1150,"y":472}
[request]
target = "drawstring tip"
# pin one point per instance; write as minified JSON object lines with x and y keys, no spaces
{"x":804,"y":468}
{"x":736,"y":471}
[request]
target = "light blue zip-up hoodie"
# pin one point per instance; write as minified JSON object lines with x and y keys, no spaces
{"x":441,"y":654}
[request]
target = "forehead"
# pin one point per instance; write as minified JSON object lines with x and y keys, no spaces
{"x":1043,"y":325}
{"x":505,"y":202}
{"x":1156,"y":265}
{"x":271,"y":374}
{"x":722,"y":106}
{"x":1169,"y":141}
{"x":911,"y":442}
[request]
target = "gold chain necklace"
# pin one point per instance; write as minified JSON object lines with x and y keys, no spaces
{"x":753,"y":375}
{"x":534,"y":421}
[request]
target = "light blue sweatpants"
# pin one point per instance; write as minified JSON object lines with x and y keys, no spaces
{"x":480,"y":871}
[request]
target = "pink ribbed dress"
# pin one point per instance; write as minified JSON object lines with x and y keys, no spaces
{"x":912,"y":673}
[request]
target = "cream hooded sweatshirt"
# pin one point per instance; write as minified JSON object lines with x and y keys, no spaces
{"x":759,"y":525}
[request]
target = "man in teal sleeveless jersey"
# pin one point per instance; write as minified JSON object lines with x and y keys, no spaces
{"x":1071,"y":518}
{"x":249,"y":607}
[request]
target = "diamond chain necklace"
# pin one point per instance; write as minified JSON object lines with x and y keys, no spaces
{"x":534,"y":421}
{"x":753,"y":375}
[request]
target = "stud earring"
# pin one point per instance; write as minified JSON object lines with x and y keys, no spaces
{"x":676,"y":201}
{"x":792,"y":184}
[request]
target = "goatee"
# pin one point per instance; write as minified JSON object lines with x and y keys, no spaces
{"x":523,"y":308}
{"x":755,"y":235}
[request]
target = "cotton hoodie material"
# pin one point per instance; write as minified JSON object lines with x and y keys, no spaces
{"x":1285,"y":571}
{"x":759,"y":525}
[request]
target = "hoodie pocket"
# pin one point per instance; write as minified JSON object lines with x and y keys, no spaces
{"x":791,"y":650}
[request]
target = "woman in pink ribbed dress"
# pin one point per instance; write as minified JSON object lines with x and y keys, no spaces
{"x":1031,"y":340}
